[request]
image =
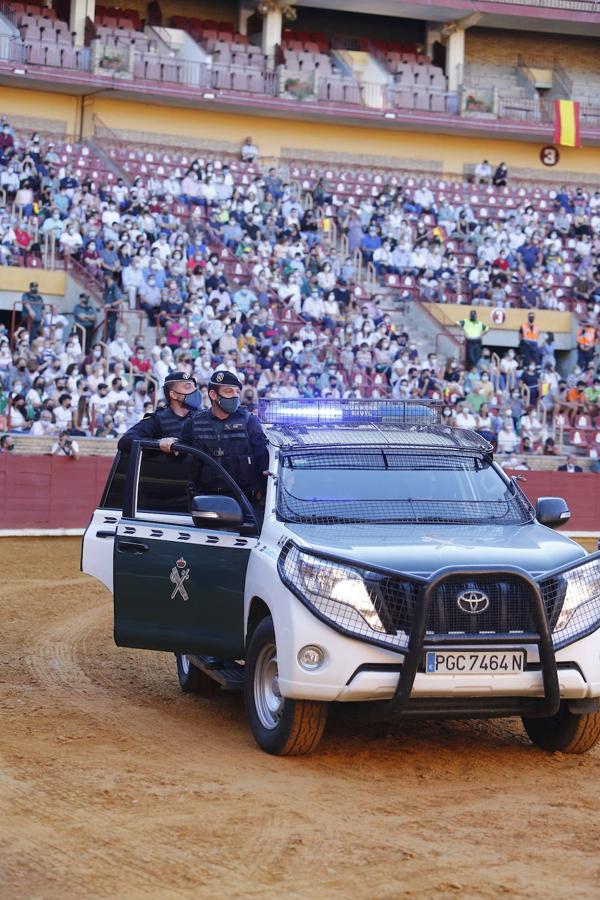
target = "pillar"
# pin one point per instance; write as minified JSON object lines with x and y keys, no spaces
{"x":80,"y":10}
{"x":455,"y":58}
{"x":272,"y":30}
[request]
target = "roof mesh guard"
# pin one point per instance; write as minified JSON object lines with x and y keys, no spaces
{"x":349,"y":412}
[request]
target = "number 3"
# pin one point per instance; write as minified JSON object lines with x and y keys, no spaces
{"x":549,"y":156}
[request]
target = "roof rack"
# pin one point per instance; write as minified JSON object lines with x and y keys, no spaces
{"x":378,"y":438}
{"x":349,"y":412}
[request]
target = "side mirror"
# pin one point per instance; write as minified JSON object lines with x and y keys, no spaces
{"x":552,"y":511}
{"x":217,"y":512}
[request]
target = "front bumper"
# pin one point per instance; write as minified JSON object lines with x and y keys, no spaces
{"x":354,"y":671}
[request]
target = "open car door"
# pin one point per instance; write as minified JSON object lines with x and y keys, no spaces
{"x":177,"y":586}
{"x":97,"y":546}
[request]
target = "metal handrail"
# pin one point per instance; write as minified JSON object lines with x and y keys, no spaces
{"x":371,"y":279}
{"x":122,"y":313}
{"x":357,"y":259}
{"x":82,"y":335}
{"x":19,"y":307}
{"x":588,"y":6}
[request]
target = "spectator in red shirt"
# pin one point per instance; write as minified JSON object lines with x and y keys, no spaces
{"x":140,"y":363}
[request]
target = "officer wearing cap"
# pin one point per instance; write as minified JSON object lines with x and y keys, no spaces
{"x":233,"y":436}
{"x":166,"y":423}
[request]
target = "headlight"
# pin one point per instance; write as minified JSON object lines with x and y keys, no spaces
{"x":349,"y":598}
{"x":579,"y":612}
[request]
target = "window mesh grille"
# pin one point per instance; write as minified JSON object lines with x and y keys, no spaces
{"x":512,"y":509}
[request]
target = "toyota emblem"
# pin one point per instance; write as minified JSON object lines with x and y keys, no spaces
{"x":472,"y":602}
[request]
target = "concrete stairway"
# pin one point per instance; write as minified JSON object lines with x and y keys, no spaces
{"x":423,"y":330}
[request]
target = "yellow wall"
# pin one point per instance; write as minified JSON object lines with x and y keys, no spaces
{"x":31,"y":104}
{"x":274,"y":135}
{"x":545,"y":319}
{"x":14,"y":279}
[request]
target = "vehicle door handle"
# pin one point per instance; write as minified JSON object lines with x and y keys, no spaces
{"x":132,"y":547}
{"x":105,"y":534}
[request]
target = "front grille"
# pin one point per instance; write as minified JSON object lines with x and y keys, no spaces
{"x":510,"y":609}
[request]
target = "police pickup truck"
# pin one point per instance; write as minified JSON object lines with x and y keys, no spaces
{"x":396,"y":564}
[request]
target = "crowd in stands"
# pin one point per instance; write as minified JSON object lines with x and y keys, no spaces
{"x":248,"y":277}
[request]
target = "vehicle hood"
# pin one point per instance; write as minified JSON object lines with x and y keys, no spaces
{"x":423,"y":549}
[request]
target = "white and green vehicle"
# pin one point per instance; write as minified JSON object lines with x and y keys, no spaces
{"x":397,"y":565}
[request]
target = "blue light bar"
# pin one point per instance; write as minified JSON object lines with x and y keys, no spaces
{"x":349,"y":412}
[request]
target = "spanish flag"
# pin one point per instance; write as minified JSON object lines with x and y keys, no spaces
{"x":566,"y":123}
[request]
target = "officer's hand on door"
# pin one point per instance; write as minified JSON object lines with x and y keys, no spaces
{"x":165,"y":444}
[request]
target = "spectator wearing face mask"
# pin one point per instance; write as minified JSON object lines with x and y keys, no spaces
{"x":85,"y":316}
{"x":20,"y":416}
{"x":63,"y":413}
{"x":119,"y":349}
{"x":33,"y":308}
{"x":473,"y":331}
{"x":508,"y":439}
{"x":140,"y":363}
{"x":531,"y":380}
{"x":529,"y":335}
{"x":7,"y":443}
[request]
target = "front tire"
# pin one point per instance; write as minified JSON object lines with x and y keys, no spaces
{"x":192,"y":680}
{"x":566,"y":732}
{"x":280,"y":726}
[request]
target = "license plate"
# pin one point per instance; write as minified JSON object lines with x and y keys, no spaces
{"x":474,"y":662}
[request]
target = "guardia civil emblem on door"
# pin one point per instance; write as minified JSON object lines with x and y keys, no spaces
{"x":179,"y":575}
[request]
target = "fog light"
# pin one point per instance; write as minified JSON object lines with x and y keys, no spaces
{"x":311,"y":657}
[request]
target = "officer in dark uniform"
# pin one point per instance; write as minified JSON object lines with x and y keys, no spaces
{"x":166,"y":424}
{"x":234,"y":437}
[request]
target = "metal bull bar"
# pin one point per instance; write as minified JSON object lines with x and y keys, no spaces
{"x":532,"y":707}
{"x":401,"y":703}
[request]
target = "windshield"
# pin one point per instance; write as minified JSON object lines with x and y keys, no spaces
{"x":388,"y":486}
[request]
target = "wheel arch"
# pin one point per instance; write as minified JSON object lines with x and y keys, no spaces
{"x":257,"y":611}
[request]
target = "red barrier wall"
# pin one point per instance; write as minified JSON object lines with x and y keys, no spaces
{"x":581,"y":490}
{"x":52,"y":492}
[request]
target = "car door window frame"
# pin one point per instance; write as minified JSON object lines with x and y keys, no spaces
{"x":130,"y":495}
{"x":108,"y":487}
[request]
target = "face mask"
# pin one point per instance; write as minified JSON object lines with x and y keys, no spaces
{"x":229,"y":404}
{"x":193,"y":400}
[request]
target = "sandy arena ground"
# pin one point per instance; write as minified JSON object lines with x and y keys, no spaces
{"x":115,"y":784}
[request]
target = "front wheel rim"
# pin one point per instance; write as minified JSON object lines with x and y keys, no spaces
{"x":185,"y":664}
{"x":267,"y":698}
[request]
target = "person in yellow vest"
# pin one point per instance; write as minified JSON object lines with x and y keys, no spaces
{"x":529,"y":341}
{"x":473,"y":331}
{"x":586,"y":344}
